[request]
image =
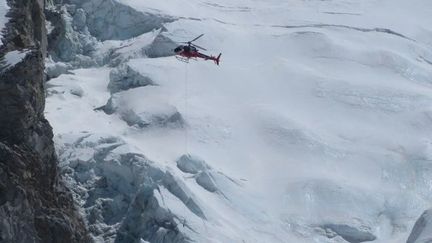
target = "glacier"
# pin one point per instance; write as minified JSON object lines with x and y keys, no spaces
{"x":315,"y":128}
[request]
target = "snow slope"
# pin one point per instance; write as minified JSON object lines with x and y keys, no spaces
{"x":315,"y":128}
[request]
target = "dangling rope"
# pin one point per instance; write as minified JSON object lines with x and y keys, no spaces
{"x":186,"y":146}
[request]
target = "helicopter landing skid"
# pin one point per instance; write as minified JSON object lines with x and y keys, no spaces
{"x":184,"y":59}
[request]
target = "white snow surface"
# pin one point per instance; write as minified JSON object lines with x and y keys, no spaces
{"x":319,"y":117}
{"x":4,"y":8}
{"x":12,"y":58}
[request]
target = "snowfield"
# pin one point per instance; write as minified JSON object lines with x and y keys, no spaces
{"x":316,"y":127}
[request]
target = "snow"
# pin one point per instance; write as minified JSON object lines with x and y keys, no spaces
{"x":12,"y":58}
{"x":4,"y":8}
{"x":316,"y":126}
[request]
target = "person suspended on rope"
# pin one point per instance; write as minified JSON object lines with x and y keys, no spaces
{"x":186,"y":52}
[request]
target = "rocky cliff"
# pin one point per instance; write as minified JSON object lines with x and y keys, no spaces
{"x":35,"y":206}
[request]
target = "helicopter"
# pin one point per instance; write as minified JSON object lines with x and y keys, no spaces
{"x":186,"y":52}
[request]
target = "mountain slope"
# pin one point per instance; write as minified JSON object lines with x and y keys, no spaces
{"x":315,"y":128}
{"x":35,"y":205}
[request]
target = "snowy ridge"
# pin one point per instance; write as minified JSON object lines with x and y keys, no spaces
{"x":315,"y":128}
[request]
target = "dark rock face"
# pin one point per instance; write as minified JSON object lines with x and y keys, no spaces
{"x":35,"y":206}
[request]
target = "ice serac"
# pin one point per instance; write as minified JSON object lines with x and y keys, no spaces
{"x":35,"y":206}
{"x":204,"y":176}
{"x":70,"y":40}
{"x":422,"y":230}
{"x":348,"y":233}
{"x":85,"y":34}
{"x":143,"y":112}
{"x":124,"y":78}
{"x":123,"y":22}
{"x":119,"y":191}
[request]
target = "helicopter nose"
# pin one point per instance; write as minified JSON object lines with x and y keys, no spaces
{"x":177,"y":49}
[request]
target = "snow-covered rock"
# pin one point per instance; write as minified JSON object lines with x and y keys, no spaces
{"x":132,"y":48}
{"x":124,"y":22}
{"x":124,"y":77}
{"x":77,"y":29}
{"x":4,"y":8}
{"x":149,"y":110}
{"x":12,"y":58}
{"x":69,"y":41}
{"x":161,"y":46}
{"x":422,"y":230}
{"x":205,"y":176}
{"x":348,"y":233}
{"x":116,"y":189}
{"x":190,"y":164}
{"x":206,"y":180}
{"x":55,"y":69}
{"x":152,"y":44}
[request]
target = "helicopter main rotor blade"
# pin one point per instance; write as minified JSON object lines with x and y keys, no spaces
{"x":196,"y":38}
{"x":197,"y":46}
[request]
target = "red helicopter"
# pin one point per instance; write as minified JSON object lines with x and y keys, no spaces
{"x":186,"y":52}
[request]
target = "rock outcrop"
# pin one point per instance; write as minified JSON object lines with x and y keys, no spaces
{"x":35,"y":206}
